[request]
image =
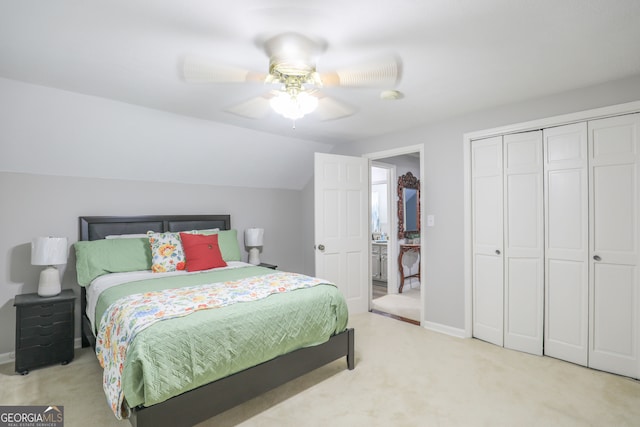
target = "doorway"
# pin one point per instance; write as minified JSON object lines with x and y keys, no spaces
{"x":391,"y":258}
{"x":382,"y":224}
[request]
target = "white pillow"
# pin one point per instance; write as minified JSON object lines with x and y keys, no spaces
{"x":209,"y":231}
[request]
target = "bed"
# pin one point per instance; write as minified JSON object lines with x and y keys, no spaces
{"x":235,"y":376}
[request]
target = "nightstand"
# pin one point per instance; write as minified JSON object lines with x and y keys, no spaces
{"x":271,"y":266}
{"x":44,"y":330}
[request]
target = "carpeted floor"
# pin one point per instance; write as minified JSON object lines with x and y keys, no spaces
{"x":404,"y":376}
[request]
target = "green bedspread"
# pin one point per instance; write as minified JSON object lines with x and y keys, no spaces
{"x":177,"y":355}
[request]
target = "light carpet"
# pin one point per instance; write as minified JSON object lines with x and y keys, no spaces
{"x":406,"y":304}
{"x":405,"y":375}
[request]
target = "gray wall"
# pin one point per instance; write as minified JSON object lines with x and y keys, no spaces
{"x":443,"y":186}
{"x":37,"y":205}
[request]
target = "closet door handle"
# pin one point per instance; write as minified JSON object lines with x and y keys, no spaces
{"x":497,"y":251}
{"x":597,"y":257}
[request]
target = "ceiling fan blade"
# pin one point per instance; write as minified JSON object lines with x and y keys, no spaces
{"x":254,"y":108}
{"x":332,"y":109}
{"x":382,"y":73}
{"x":200,"y":70}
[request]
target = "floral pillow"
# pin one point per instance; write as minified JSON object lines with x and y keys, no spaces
{"x":167,"y":253}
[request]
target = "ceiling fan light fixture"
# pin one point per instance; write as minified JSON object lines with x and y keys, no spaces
{"x":295,"y":105}
{"x":292,"y":67}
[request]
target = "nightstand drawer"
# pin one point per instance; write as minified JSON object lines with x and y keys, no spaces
{"x":45,"y":335}
{"x":43,"y":355}
{"x":45,"y":320}
{"x":44,"y":310}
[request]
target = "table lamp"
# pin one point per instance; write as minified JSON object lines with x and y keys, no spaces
{"x":49,"y":251}
{"x":253,"y":239}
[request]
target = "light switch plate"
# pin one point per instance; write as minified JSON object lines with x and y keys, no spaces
{"x":431,"y":220}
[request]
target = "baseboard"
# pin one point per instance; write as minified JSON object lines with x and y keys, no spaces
{"x":444,"y":329}
{"x":7,"y":358}
{"x":11,"y":356}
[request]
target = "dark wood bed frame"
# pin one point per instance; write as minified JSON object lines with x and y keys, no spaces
{"x":214,"y":398}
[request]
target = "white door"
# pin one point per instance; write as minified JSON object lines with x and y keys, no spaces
{"x":614,"y":146}
{"x":487,"y":232}
{"x":342,"y":226}
{"x":567,"y":243}
{"x":523,"y":242}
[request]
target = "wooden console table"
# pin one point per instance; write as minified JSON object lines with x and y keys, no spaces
{"x":404,"y":248}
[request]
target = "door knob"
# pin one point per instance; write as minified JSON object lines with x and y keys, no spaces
{"x":497,"y":251}
{"x":597,"y":257}
{"x":321,"y":247}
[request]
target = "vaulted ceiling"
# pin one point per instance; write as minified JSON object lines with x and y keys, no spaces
{"x":457,"y":56}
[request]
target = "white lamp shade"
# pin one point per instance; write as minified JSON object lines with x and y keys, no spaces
{"x":253,"y":237}
{"x":49,"y":251}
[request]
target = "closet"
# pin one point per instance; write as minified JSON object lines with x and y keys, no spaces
{"x":555,"y":229}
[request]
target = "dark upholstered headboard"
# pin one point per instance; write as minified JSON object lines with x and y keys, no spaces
{"x":98,"y":227}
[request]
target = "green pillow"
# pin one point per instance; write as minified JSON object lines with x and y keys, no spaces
{"x":228,"y":242}
{"x":97,"y":257}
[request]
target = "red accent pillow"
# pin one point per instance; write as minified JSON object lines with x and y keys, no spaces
{"x":201,"y":252}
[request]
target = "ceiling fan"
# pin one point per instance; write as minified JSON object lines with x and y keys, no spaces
{"x":292,"y":69}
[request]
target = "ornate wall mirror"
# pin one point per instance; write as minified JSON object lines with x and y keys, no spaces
{"x":408,"y":205}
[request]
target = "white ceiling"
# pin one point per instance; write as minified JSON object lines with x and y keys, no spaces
{"x":458,"y":56}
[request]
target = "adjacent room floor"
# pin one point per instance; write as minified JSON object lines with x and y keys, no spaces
{"x":405,"y":305}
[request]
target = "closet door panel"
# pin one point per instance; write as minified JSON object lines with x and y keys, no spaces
{"x":566,"y":243}
{"x":523,"y":312}
{"x":524,"y":201}
{"x":487,"y":238}
{"x":487,"y":195}
{"x":488,"y":214}
{"x":487,"y":303}
{"x":524,"y":247}
{"x":567,"y":223}
{"x":613,"y":221}
{"x":613,"y":277}
{"x":614,"y":292}
{"x":566,"y":323}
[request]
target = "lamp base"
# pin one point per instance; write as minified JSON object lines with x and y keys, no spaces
{"x":254,"y":256}
{"x":49,"y":284}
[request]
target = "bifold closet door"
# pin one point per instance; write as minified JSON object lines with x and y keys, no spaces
{"x":508,"y":245}
{"x":614,"y":150}
{"x":566,"y":243}
{"x":487,"y":239}
{"x":523,"y":242}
